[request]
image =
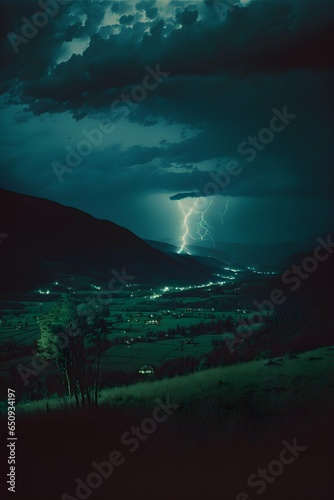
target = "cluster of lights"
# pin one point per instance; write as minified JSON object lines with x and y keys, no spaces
{"x":182,"y":288}
{"x":226,"y":277}
{"x":204,"y":285}
{"x":261,"y":272}
{"x":233,"y":270}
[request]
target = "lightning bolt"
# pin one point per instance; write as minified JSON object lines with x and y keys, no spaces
{"x":203,"y":228}
{"x":185,"y":226}
{"x":224,"y":213}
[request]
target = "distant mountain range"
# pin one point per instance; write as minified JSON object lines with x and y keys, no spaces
{"x":42,"y":241}
{"x":259,"y":255}
{"x":46,"y":240}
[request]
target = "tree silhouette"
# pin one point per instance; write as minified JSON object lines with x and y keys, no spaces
{"x":75,"y":344}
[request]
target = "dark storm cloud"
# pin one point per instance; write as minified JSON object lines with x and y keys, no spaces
{"x":127,"y":20}
{"x":182,"y":196}
{"x":265,"y":37}
{"x":137,"y":155}
{"x":120,"y":7}
{"x":225,"y":79}
{"x":76,"y":30}
{"x":150,"y":121}
{"x":152,"y":12}
{"x":145,"y":5}
{"x":187,"y":17}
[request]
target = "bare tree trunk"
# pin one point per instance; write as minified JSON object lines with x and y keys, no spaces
{"x":82,"y":393}
{"x":64,"y":378}
{"x":81,"y":376}
{"x":76,"y":398}
{"x":97,"y":373}
{"x":68,"y":383}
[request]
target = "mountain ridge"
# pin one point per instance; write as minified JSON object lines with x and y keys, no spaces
{"x":44,"y":234}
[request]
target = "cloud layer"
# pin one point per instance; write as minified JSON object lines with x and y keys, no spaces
{"x":225,"y":78}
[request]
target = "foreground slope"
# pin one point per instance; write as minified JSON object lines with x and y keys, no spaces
{"x":228,"y":423}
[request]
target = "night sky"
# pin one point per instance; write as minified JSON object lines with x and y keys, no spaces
{"x":225,"y":69}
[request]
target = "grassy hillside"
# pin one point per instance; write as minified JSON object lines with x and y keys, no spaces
{"x":245,"y":410}
{"x":262,"y":387}
{"x":35,"y":253}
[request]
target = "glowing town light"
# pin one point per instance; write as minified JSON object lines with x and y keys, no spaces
{"x":96,"y":287}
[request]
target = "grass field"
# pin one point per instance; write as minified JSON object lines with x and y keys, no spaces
{"x":228,"y":422}
{"x":255,"y":387}
{"x":130,"y":313}
{"x":131,"y":358}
